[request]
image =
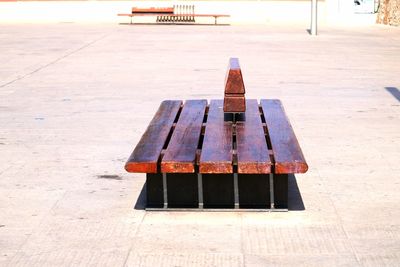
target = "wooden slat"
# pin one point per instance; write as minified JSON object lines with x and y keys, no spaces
{"x":180,"y":154}
{"x":234,"y":80}
{"x":234,"y":103}
{"x":252,"y":149}
{"x":155,"y":10}
{"x":216,"y":154}
{"x":147,"y":152}
{"x":287,"y":152}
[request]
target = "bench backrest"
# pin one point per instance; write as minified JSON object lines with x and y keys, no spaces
{"x":175,"y":10}
{"x":161,"y":10}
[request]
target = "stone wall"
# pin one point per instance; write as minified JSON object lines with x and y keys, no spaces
{"x":389,"y":12}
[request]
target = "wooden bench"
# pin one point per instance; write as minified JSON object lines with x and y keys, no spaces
{"x":178,"y":14}
{"x":195,"y":158}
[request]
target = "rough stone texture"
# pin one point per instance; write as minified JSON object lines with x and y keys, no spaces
{"x":75,"y":99}
{"x":389,"y":12}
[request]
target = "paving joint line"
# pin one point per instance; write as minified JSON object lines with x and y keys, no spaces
{"x":134,"y":239}
{"x":53,"y":62}
{"x":241,"y":242}
{"x":354,"y":252}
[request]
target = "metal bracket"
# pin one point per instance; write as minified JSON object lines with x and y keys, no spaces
{"x":236,"y":189}
{"x":165,"y":192}
{"x":200,"y":189}
{"x":271,"y":191}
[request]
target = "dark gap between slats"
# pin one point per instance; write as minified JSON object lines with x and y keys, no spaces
{"x":267,"y":139}
{"x":206,"y":114}
{"x":178,"y":114}
{"x":234,"y":147}
{"x":261,"y":114}
{"x":201,"y":139}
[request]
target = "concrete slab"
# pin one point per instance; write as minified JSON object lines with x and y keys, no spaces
{"x":75,"y":99}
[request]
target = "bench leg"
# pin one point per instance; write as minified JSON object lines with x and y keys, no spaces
{"x":215,"y":20}
{"x":181,"y":191}
{"x":280,"y":191}
{"x":263,"y":191}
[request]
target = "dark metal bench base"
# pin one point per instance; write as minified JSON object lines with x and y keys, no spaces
{"x":215,"y":210}
{"x":217,"y":192}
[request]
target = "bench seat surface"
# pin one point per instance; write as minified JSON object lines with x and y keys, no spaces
{"x":180,"y":154}
{"x":286,"y":149}
{"x":216,"y":156}
{"x":194,"y":137}
{"x":252,"y":150}
{"x":147,"y":152}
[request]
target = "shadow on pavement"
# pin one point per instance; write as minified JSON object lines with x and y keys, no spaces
{"x":141,"y":201}
{"x":394,"y":91}
{"x":295,"y":201}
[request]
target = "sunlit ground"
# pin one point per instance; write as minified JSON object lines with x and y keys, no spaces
{"x":76,"y":97}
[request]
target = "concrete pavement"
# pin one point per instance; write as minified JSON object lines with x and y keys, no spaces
{"x":75,"y":99}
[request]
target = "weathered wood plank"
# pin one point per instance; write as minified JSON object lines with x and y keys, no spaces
{"x":287,"y":152}
{"x":234,"y":80}
{"x":234,"y":103}
{"x":252,"y":149}
{"x":216,"y":154}
{"x":180,"y":154}
{"x":154,"y":10}
{"x":147,"y":152}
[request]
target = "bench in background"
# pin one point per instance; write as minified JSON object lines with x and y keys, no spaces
{"x":178,"y":14}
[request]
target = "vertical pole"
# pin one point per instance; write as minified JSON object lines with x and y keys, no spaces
{"x":314,"y":10}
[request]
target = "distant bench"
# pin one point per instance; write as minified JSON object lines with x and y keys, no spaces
{"x":178,"y":14}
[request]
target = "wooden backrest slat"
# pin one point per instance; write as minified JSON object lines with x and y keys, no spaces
{"x":287,"y":152}
{"x":252,"y":149}
{"x":234,"y":80}
{"x":155,"y":10}
{"x":180,"y":154}
{"x":216,"y":154}
{"x":147,"y":152}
